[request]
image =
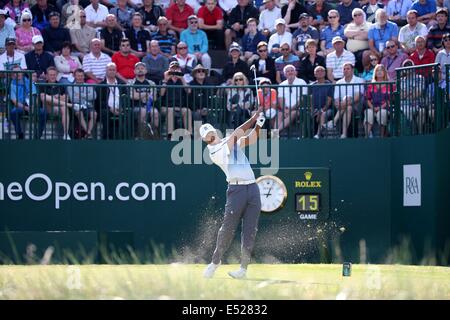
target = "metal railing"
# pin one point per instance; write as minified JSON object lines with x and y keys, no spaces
{"x":410,"y":106}
{"x":421,"y":100}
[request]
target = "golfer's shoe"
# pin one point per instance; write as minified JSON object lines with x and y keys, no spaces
{"x":210,"y":270}
{"x":238,"y":274}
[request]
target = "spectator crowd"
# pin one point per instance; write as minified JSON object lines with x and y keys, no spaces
{"x":289,"y":44}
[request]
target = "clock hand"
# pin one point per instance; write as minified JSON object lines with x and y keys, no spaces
{"x":268,"y":192}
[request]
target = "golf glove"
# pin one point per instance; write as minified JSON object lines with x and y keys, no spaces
{"x":260,"y":120}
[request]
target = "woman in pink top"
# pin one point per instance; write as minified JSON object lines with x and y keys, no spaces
{"x":25,"y":33}
{"x":16,"y":8}
{"x":66,"y":64}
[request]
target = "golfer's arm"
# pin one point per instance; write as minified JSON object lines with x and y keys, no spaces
{"x":240,"y":132}
{"x":252,"y":137}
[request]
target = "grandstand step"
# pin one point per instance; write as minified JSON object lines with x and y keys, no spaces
{"x":218,"y":57}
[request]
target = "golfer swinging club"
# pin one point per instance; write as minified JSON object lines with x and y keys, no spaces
{"x":243,"y":199}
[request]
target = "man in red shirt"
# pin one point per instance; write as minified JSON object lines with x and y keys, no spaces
{"x":422,"y":55}
{"x":178,"y":14}
{"x":210,"y":19}
{"x":125,"y":61}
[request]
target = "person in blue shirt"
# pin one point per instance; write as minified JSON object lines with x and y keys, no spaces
{"x":250,"y":41}
{"x":20,"y":94}
{"x":380,"y":32}
{"x":334,"y":29}
{"x":197,"y":41}
{"x":426,"y":10}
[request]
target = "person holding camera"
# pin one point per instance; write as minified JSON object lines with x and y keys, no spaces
{"x":173,"y":93}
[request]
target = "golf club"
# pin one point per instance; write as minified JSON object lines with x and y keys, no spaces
{"x":253,"y":68}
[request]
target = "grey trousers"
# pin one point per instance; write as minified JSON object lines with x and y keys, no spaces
{"x":243,"y":203}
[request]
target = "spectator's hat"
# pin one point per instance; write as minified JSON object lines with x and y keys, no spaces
{"x":199,"y":67}
{"x":261,"y":44}
{"x":264,"y":81}
{"x":407,"y":63}
{"x":37,"y":39}
{"x":174,"y":64}
{"x":53,"y":14}
{"x":234,"y":46}
{"x":26,"y":14}
{"x":337,"y":39}
{"x":304,"y":15}
{"x":280,"y":21}
{"x":140,"y":64}
{"x":265,"y":1}
{"x":192,"y":17}
{"x":205,"y":129}
{"x":3,"y":12}
{"x":9,"y":41}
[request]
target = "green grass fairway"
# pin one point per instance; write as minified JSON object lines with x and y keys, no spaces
{"x":183,"y":281}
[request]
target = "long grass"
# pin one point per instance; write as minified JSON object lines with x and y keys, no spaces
{"x":185,"y":281}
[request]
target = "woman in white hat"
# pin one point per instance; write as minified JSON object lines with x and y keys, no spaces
{"x":25,"y":33}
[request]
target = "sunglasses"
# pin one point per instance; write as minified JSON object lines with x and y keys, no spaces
{"x":239,"y":79}
{"x":284,"y":49}
{"x":200,"y":71}
{"x":373,"y":60}
{"x":446,"y":39}
{"x":357,"y":15}
{"x":390,"y":47}
{"x":193,"y":22}
{"x":332,"y":17}
{"x":262,"y":50}
{"x":25,"y":20}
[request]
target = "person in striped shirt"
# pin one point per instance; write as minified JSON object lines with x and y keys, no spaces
{"x":336,"y":60}
{"x":94,"y":63}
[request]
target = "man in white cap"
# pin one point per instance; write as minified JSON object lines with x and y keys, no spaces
{"x":38,"y":59}
{"x":336,"y":59}
{"x":243,"y":198}
{"x":12,"y":58}
{"x":281,"y":36}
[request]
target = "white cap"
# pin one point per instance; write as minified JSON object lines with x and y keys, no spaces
{"x":37,"y":38}
{"x":280,"y":21}
{"x":205,"y":129}
{"x":3,"y":12}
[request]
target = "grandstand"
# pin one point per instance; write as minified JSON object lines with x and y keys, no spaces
{"x":371,"y":34}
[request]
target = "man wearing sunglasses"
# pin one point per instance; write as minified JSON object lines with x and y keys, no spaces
{"x":81,"y":37}
{"x":264,"y":65}
{"x":345,"y":9}
{"x":334,"y":29}
{"x":197,"y":42}
{"x":394,"y":59}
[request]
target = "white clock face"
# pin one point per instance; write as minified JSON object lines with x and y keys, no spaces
{"x":273,"y":193}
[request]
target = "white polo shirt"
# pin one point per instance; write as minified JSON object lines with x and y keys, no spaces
{"x":291,"y":93}
{"x":96,"y":16}
{"x":341,"y":91}
{"x":233,"y":163}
